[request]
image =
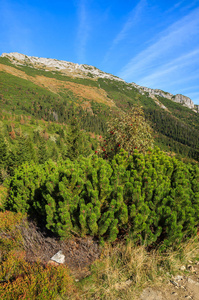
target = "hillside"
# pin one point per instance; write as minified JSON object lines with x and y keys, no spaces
{"x":122,"y":213}
{"x":48,"y":89}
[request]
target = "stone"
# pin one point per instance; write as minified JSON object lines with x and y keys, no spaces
{"x":59,"y":257}
{"x":186,"y":101}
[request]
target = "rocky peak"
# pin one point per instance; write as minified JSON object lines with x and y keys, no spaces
{"x":64,"y":67}
{"x":186,"y":101}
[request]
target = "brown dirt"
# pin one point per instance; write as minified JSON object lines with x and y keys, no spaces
{"x":79,"y":252}
{"x":183,"y":286}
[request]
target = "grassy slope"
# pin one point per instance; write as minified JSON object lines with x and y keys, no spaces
{"x":176,"y":129}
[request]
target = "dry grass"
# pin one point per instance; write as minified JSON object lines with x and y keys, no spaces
{"x":79,"y":90}
{"x":123,"y":271}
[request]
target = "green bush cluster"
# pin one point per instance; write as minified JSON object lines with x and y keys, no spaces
{"x":151,"y":199}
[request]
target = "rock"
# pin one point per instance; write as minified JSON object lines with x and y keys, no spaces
{"x":59,"y":257}
{"x":183,"y":268}
{"x":184,"y":100}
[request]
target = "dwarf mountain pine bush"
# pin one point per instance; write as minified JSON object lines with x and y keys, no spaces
{"x":152,"y":198}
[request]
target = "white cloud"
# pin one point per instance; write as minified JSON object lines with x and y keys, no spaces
{"x":167,"y":70}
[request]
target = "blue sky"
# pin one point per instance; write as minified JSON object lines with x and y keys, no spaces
{"x":152,"y":43}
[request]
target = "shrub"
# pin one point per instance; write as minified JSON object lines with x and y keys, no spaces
{"x":20,"y":279}
{"x":153,"y":199}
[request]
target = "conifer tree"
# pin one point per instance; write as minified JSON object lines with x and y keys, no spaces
{"x":75,"y":140}
{"x":3,"y":159}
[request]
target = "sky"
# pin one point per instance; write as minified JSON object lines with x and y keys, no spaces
{"x":152,"y":43}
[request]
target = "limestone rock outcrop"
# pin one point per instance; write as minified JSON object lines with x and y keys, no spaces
{"x":186,"y":101}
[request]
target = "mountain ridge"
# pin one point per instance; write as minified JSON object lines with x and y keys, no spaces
{"x":179,"y":98}
{"x":65,"y":67}
{"x":29,"y":88}
{"x":91,"y":72}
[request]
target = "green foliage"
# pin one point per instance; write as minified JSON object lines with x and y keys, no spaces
{"x":180,"y":136}
{"x":128,"y":131}
{"x":77,"y":143}
{"x":24,"y":139}
{"x":152,"y":198}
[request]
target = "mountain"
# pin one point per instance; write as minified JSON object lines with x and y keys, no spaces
{"x":86,"y":71}
{"x":186,"y":101}
{"x":64,"y":67}
{"x":49,"y":89}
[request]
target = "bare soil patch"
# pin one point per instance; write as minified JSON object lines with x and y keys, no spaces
{"x":184,"y":286}
{"x":79,"y":253}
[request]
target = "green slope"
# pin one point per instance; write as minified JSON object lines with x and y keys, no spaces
{"x":175,"y":129}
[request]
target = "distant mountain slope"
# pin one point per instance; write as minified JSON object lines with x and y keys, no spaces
{"x":64,"y":67}
{"x":48,"y":88}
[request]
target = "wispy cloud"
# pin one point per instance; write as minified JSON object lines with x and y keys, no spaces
{"x":176,"y":5}
{"x":133,"y":18}
{"x":190,"y":5}
{"x":165,"y":72}
{"x":83,"y":31}
{"x":189,"y":89}
{"x":170,"y":43}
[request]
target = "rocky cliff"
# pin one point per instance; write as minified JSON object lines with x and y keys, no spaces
{"x":186,"y":101}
